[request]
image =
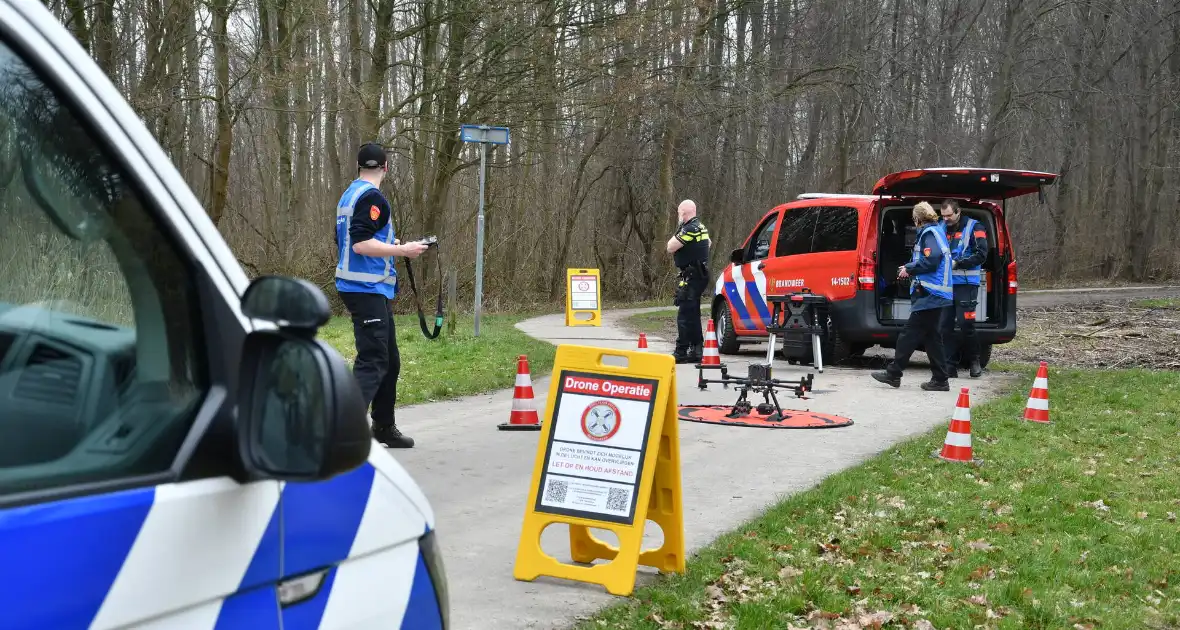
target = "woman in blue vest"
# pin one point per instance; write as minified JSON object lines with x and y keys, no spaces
{"x":930,"y":293}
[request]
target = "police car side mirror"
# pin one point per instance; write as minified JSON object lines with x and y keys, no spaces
{"x":737,"y":256}
{"x":301,"y":416}
{"x":286,"y":302}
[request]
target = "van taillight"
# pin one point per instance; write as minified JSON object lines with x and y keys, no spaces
{"x":866,"y":279}
{"x":1012,"y":278}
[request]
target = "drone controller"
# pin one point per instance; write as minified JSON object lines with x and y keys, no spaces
{"x":429,"y":241}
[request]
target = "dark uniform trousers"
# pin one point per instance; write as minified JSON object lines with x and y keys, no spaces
{"x":962,"y":314}
{"x":694,"y":278}
{"x":922,"y":327}
{"x":378,"y":362}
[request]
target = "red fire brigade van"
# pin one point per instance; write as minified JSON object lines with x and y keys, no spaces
{"x":848,"y":247}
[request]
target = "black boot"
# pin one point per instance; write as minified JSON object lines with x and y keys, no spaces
{"x":976,"y":369}
{"x":887,"y":378}
{"x":936,"y":386}
{"x":695,"y":353}
{"x":391,"y":437}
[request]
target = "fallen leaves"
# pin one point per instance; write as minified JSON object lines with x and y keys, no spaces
{"x":860,"y":619}
{"x":980,"y":545}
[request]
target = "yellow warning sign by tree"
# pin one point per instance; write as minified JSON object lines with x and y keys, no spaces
{"x":609,"y":458}
{"x":583,"y":298}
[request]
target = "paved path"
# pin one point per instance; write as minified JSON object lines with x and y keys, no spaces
{"x":477,"y":477}
{"x":1054,"y":297}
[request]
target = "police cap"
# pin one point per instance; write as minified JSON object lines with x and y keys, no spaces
{"x":371,"y":155}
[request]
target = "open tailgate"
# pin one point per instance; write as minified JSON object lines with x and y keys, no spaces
{"x":974,"y":183}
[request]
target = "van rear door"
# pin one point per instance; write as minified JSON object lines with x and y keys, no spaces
{"x":972,"y":183}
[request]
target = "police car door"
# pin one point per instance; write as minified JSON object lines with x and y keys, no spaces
{"x":116,"y":504}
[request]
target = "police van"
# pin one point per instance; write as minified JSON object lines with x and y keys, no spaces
{"x":177,"y":449}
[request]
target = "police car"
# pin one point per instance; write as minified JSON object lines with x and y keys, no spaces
{"x":177,"y":449}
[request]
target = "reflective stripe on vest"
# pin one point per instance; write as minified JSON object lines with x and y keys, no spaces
{"x":972,"y":275}
{"x":938,"y":281}
{"x":344,"y":211}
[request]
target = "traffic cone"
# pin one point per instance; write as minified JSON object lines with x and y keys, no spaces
{"x":711,"y":356}
{"x":524,"y":413}
{"x":642,"y":341}
{"x":1037,"y":407}
{"x":957,"y":445}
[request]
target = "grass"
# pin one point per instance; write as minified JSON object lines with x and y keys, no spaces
{"x":455,"y":364}
{"x":653,"y":323}
{"x":1070,"y":525}
{"x":1172,"y":303}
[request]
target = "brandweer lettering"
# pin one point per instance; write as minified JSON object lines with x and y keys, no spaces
{"x":606,"y":387}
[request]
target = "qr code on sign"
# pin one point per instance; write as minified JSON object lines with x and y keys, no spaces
{"x":616,"y":499}
{"x":555,"y":491}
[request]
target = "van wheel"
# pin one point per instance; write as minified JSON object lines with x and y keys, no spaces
{"x":727,"y":342}
{"x":833,"y":347}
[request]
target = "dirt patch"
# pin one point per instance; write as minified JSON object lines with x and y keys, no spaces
{"x":1109,"y":333}
{"x":1106,"y":332}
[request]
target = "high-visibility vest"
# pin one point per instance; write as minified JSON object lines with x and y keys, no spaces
{"x":354,"y":272}
{"x":965,"y":275}
{"x":937,"y":282}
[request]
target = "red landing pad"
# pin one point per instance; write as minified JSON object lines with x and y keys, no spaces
{"x":717,"y":414}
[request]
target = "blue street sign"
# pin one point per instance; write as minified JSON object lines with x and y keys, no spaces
{"x":483,"y":134}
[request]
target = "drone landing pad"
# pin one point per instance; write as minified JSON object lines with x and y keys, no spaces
{"x":719,"y":414}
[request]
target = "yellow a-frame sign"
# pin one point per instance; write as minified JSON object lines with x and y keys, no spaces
{"x":583,"y":297}
{"x":608,"y":457}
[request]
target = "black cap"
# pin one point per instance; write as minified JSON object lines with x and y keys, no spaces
{"x":371,"y":155}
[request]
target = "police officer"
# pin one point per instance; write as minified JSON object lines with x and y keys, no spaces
{"x":690,"y":253}
{"x":968,"y":243}
{"x":366,"y":280}
{"x":930,"y":293}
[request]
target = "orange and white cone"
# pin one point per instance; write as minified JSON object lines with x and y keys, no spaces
{"x":642,"y":341}
{"x":524,"y":412}
{"x":711,"y":356}
{"x":957,"y":445}
{"x":1037,"y":407}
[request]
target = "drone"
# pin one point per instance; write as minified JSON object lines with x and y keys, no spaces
{"x":795,"y":313}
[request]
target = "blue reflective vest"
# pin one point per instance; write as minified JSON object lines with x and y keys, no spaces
{"x":356,"y":273}
{"x":965,"y":275}
{"x":937,"y":282}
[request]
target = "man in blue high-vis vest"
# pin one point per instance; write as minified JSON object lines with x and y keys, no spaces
{"x":930,"y":293}
{"x":366,"y":280}
{"x":968,"y":243}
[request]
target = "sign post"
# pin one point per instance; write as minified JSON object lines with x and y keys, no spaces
{"x":608,"y":457}
{"x":484,"y":135}
{"x":583,"y":297}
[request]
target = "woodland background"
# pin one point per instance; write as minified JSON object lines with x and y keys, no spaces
{"x":620,"y":109}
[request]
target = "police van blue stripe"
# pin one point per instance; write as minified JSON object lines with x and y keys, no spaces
{"x":80,"y":543}
{"x":422,"y":612}
{"x":320,"y":519}
{"x":256,"y":609}
{"x":739,"y":305}
{"x":759,"y":302}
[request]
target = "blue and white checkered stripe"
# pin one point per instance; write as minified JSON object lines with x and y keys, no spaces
{"x":207,"y":554}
